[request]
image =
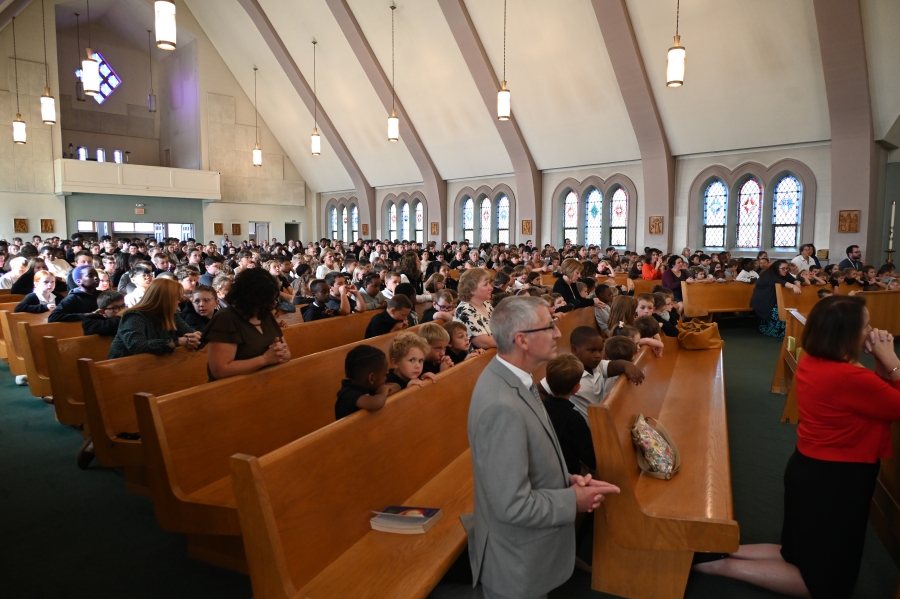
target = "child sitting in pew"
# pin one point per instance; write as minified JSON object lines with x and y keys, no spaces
{"x":392,"y":318}
{"x":105,"y":321}
{"x":563,"y":376}
{"x":436,"y":360}
{"x":42,"y":299}
{"x":618,"y":348}
{"x":407,"y":355}
{"x":649,"y":330}
{"x":371,"y":292}
{"x":605,"y":294}
{"x":665,"y":314}
{"x":458,"y":350}
{"x":621,"y":313}
{"x":82,"y":300}
{"x":318,"y":309}
{"x":365,"y":387}
{"x":343,"y":298}
{"x":409,"y":290}
{"x":200,"y":309}
{"x":442,"y":307}
{"x":824,"y":292}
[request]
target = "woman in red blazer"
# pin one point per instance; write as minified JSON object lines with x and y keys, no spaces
{"x":846,"y":411}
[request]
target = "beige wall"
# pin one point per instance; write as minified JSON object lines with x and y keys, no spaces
{"x":230,"y":213}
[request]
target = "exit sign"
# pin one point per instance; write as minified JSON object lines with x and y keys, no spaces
{"x":138,"y":210}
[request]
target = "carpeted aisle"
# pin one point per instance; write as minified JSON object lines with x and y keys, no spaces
{"x":65,"y":533}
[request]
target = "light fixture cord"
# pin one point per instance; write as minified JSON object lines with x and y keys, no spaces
{"x":504,"y":40}
{"x":16,"y":63}
{"x":150,"y":54}
{"x":315,"y":93}
{"x":46,"y":66}
{"x":393,"y":76}
{"x":255,"y":107}
{"x":677,"y":15}
{"x":78,"y":31}
{"x":89,"y":22}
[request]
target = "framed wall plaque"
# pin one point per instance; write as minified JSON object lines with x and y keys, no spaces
{"x":365,"y":229}
{"x":848,"y":221}
{"x":526,"y":227}
{"x":46,"y":225}
{"x":435,"y":229}
{"x":218,"y":229}
{"x":656,"y":225}
{"x":235,"y":229}
{"x":20,"y":225}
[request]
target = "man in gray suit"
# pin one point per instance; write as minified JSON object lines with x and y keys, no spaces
{"x":522,"y":534}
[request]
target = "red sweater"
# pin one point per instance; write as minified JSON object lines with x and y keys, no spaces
{"x":649,"y":272}
{"x":845,"y":411}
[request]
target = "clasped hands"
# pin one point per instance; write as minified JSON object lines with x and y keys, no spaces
{"x":278,"y":352}
{"x":589,"y":493}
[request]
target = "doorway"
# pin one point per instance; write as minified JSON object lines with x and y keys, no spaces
{"x":259,"y":232}
{"x":291,"y":232}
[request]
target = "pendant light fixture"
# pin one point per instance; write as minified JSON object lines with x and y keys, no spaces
{"x":393,"y":121}
{"x":675,"y":58}
{"x":90,"y":68}
{"x":165,"y":24}
{"x":48,"y":104}
{"x":503,"y":99}
{"x":79,"y":86}
{"x":257,"y":153}
{"x":151,"y":99}
{"x":19,"y":134}
{"x":315,"y":140}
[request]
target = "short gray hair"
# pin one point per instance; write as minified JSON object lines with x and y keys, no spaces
{"x":514,"y":314}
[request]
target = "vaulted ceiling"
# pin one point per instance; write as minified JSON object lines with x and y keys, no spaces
{"x":754,"y":78}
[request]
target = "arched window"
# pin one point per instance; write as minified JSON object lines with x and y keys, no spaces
{"x":334,"y":222}
{"x":468,"y":219}
{"x":485,"y":232}
{"x":618,"y":218}
{"x":570,"y":217}
{"x":354,"y":221}
{"x":404,"y":221}
{"x":420,"y":222}
{"x":392,"y":222}
{"x":593,"y":218}
{"x":786,"y":213}
{"x":345,"y":222}
{"x":503,"y":219}
{"x":715,"y":210}
{"x":749,"y":219}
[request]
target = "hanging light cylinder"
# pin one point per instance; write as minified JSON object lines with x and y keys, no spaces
{"x":393,"y":130}
{"x":257,"y":155}
{"x":90,"y":67}
{"x":393,"y":126}
{"x":503,"y":103}
{"x":19,"y":134}
{"x":48,"y":104}
{"x":165,"y":25}
{"x":316,"y":142}
{"x":675,"y":64}
{"x":257,"y":152}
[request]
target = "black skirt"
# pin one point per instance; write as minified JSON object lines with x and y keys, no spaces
{"x":826,"y":511}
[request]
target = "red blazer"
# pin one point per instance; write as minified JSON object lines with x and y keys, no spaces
{"x":649,"y":272}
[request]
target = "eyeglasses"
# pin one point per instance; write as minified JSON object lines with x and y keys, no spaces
{"x":115,"y":308}
{"x":550,"y":328}
{"x":443,"y":308}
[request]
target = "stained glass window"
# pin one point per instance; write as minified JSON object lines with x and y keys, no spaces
{"x":109,"y":81}
{"x":345,"y":223}
{"x":392,"y":222}
{"x":570,"y":217}
{"x":618,"y":218}
{"x":593,"y":218}
{"x":485,"y":231}
{"x":404,"y":221}
{"x":469,"y":219}
{"x":749,"y":215}
{"x":503,"y":220}
{"x":715,"y":208}
{"x":420,"y":222}
{"x":786,"y":217}
{"x":354,"y":221}
{"x":334,"y":228}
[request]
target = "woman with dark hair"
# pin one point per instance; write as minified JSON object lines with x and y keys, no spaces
{"x":652,"y":268}
{"x":245,"y":336}
{"x":764,"y":301}
{"x":674,"y":277}
{"x":846,"y":411}
{"x":804,"y":260}
{"x":411,"y":268}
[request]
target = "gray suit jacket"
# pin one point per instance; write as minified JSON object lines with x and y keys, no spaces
{"x":522,"y":534}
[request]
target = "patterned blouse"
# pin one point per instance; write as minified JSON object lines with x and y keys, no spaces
{"x":476,"y":323}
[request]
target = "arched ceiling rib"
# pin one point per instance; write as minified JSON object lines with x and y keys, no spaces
{"x":881,"y":24}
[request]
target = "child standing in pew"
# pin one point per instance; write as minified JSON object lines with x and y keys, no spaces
{"x":649,"y":330}
{"x":365,"y":387}
{"x":407,"y":354}
{"x":621,"y":313}
{"x":105,"y":321}
{"x":392,"y":318}
{"x":563,"y":376}
{"x":618,"y":348}
{"x":458,"y":350}
{"x":436,"y":360}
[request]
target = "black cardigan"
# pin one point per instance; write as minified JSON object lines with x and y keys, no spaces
{"x":573,"y":300}
{"x":32,"y":303}
{"x":764,"y":299}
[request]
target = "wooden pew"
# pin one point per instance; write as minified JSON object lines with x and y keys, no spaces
{"x":645,"y":285}
{"x":310,"y":337}
{"x":783,"y":380}
{"x":884,"y":310}
{"x":9,"y":323}
{"x":645,"y":537}
{"x":802,"y":302}
{"x":36,"y":366}
{"x":885,"y":512}
{"x":9,"y":307}
{"x":62,"y":357}
{"x":845,"y":289}
{"x":298,"y":544}
{"x":258,"y":413}
{"x":703,"y":299}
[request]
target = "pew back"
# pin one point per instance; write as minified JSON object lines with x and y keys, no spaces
{"x":36,"y":367}
{"x":702,"y":299}
{"x":645,"y":285}
{"x":62,"y":364}
{"x":845,"y":289}
{"x":307,"y":338}
{"x":9,"y":322}
{"x":884,"y":310}
{"x":802,"y":302}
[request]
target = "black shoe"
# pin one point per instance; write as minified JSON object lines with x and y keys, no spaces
{"x":85,"y":454}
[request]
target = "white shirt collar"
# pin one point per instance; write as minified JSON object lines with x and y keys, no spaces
{"x":523,"y":376}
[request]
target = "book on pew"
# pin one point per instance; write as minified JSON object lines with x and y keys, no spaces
{"x":405,"y":520}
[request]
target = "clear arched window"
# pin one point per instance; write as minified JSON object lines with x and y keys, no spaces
{"x":334,"y":222}
{"x":392,"y":222}
{"x":345,"y":222}
{"x":749,"y":218}
{"x":593,"y":218}
{"x":570,"y":217}
{"x":786,"y":214}
{"x":468,"y":219}
{"x":354,"y":221}
{"x":503,"y":219}
{"x":715,"y":210}
{"x":485,"y":221}
{"x":618,"y":218}
{"x":404,"y":221}
{"x":420,"y":222}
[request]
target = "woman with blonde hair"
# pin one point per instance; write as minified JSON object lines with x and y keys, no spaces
{"x":475,"y":309}
{"x":152,"y":326}
{"x":571,"y":270}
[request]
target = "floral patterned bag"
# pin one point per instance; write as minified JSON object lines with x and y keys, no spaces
{"x":656,"y":453}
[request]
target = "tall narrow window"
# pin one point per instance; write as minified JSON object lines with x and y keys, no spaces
{"x":570,"y":217}
{"x":345,"y":224}
{"x":420,"y":222}
{"x":485,"y":221}
{"x":618,"y":218}
{"x":749,"y":217}
{"x":593,"y":218}
{"x":392,"y":222}
{"x":786,"y":217}
{"x":715,"y":204}
{"x":404,"y":221}
{"x":468,"y":219}
{"x":354,"y":221}
{"x":334,"y":228}
{"x":503,"y":220}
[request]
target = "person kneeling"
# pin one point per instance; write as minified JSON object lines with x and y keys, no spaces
{"x":407,"y":353}
{"x":365,"y":387}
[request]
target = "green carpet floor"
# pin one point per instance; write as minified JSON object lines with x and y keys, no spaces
{"x":67,"y":533}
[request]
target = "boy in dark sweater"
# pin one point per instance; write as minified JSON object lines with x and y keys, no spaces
{"x":318,"y":309}
{"x":365,"y":387}
{"x":105,"y":321}
{"x":199,"y":311}
{"x":393,"y":318}
{"x":458,"y":350}
{"x":82,"y":300}
{"x":563,"y":377}
{"x":407,"y":354}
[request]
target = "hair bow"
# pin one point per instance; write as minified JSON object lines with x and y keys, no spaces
{"x":621,"y":323}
